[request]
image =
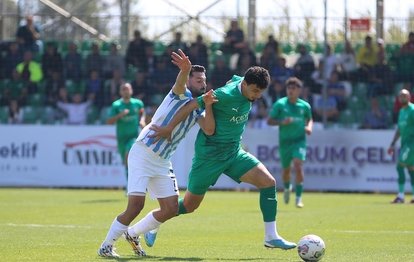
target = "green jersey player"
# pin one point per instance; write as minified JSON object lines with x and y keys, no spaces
{"x":294,"y":118}
{"x":221,"y":153}
{"x":129,"y":115}
{"x":405,"y":130}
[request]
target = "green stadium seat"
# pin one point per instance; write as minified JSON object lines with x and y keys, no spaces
{"x":4,"y":114}
{"x":36,"y":100}
{"x":287,"y":48}
{"x":105,"y":114}
{"x":319,"y":48}
{"x":215,"y":46}
{"x":30,"y":115}
{"x":159,"y":48}
{"x":47,"y":115}
{"x":359,"y":90}
{"x":339,"y":47}
{"x":355,"y":104}
{"x":347,"y":119}
{"x":92,"y":117}
{"x":259,"y":47}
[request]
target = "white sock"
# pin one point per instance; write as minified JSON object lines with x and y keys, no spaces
{"x":115,"y":231}
{"x":145,"y":225}
{"x":271,"y":231}
{"x":401,"y":195}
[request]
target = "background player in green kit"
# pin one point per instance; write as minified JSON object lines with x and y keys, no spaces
{"x":129,"y":115}
{"x":221,"y":153}
{"x":294,"y":118}
{"x":405,"y":130}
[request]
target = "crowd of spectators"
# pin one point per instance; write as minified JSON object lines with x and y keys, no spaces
{"x":74,"y":83}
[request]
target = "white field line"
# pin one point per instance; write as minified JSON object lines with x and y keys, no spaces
{"x":375,"y":231}
{"x":40,"y":225}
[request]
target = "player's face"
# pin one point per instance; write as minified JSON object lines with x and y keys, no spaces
{"x":197,"y":83}
{"x":404,"y":98}
{"x":293,"y":91}
{"x":252,"y":92}
{"x":126,"y":91}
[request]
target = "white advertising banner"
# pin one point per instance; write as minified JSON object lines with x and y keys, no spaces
{"x":86,"y":156}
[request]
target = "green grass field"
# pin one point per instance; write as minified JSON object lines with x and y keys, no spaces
{"x":69,"y":225}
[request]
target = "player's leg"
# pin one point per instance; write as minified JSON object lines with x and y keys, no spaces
{"x":298,"y":166}
{"x":246,"y":168}
{"x":285,"y":160}
{"x":411,"y":172}
{"x":408,"y":159}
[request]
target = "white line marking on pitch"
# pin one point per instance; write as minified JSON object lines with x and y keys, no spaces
{"x":375,"y":232}
{"x":39,"y":225}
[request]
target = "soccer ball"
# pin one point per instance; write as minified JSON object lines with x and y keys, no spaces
{"x":311,"y":248}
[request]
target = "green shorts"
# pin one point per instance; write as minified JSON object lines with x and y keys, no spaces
{"x":289,"y":152}
{"x":205,"y":172}
{"x":124,"y":146}
{"x":406,"y":156}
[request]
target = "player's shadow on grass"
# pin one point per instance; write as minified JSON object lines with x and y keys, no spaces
{"x":99,"y":201}
{"x":156,"y":258}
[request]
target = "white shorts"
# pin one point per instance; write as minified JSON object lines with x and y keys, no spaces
{"x":149,"y":172}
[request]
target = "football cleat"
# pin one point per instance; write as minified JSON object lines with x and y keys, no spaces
{"x":299,"y":203}
{"x":135,"y":244}
{"x":412,"y":201}
{"x":286,"y":194}
{"x":279,"y":243}
{"x":107,"y":251}
{"x":398,"y":200}
{"x":150,"y":237}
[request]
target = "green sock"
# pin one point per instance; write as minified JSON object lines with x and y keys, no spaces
{"x":401,"y":178}
{"x":126,"y":172}
{"x":299,"y":189}
{"x":286,"y":185}
{"x":268,"y":203}
{"x":181,"y":207}
{"x":411,"y":172}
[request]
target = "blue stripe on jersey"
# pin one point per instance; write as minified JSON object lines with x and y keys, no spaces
{"x":167,"y":119}
{"x":173,"y":145}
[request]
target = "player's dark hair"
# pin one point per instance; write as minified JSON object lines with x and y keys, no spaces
{"x":293,"y":81}
{"x":197,"y":68}
{"x":257,"y":75}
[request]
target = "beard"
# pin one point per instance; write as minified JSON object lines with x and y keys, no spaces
{"x":197,"y":92}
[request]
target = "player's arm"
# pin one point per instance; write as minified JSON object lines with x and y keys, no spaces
{"x":183,"y":63}
{"x":391,"y":148}
{"x":116,"y":117}
{"x":309,"y":126}
{"x":142,"y":122}
{"x":166,"y":131}
{"x":207,"y":122}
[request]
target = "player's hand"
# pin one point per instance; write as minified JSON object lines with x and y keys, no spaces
{"x":181,"y":61}
{"x":308,"y":130}
{"x":287,"y":121}
{"x":160,"y":132}
{"x":209,"y":98}
{"x":391,"y":150}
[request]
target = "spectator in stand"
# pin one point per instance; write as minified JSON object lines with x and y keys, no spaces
{"x":258,"y":114}
{"x":337,"y":90}
{"x":327,"y":104}
{"x":220,"y":74}
{"x":330,"y":62}
{"x":304,"y":65}
{"x":235,"y":37}
{"x":76,"y":110}
{"x":12,"y":58}
{"x":135,"y":53}
{"x":273,"y":44}
{"x":72,"y":64}
{"x":246,"y":59}
{"x":94,"y":88}
{"x":94,"y":60}
{"x":317,"y":79}
{"x":380,"y":77}
{"x":52,"y":87}
{"x":30,"y":72}
{"x":28,"y":36}
{"x":408,"y":47}
{"x":161,"y":79}
{"x":268,"y":58}
{"x":367,"y":58}
{"x":51,"y":61}
{"x":178,"y":43}
{"x":347,"y":63}
{"x":376,"y":117}
{"x":397,"y":103}
{"x":280,"y":72}
{"x":277,"y":90}
{"x":113,"y":61}
{"x":141,"y":87}
{"x":15,"y":113}
{"x":111,"y":87}
{"x":198,"y":52}
{"x":16,"y":89}
{"x":150,"y":59}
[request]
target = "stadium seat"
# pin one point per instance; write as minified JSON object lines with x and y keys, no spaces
{"x":259,"y":47}
{"x":36,"y":100}
{"x":30,"y":115}
{"x":4,"y":114}
{"x":105,"y":114}
{"x":319,"y":48}
{"x":47,"y":115}
{"x":347,"y":119}
{"x":359,"y":90}
{"x":215,"y":46}
{"x":339,"y":47}
{"x":287,"y":48}
{"x":159,"y":48}
{"x":92,"y":115}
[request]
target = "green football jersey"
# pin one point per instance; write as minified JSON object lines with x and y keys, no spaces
{"x":127,"y":126}
{"x":231,"y":113}
{"x":300,"y":112}
{"x":406,"y":124}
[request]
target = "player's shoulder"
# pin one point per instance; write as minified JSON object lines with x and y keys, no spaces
{"x":303,"y":102}
{"x":281,"y":101}
{"x":117,"y":103}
